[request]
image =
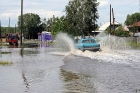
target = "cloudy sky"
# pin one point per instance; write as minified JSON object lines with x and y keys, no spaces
{"x":46,"y":8}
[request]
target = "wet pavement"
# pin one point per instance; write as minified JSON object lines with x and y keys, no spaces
{"x":33,"y":70}
{"x":40,"y":69}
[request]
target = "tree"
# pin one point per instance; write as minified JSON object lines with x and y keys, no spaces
{"x":81,"y":16}
{"x":31,"y":22}
{"x":44,"y":24}
{"x":58,"y":25}
{"x":120,"y":31}
{"x":7,"y":30}
{"x":131,"y":19}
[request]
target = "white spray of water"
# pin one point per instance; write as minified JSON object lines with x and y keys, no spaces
{"x":112,"y":43}
{"x":110,"y":46}
{"x":63,"y":44}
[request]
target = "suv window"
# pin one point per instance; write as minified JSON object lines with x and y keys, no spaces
{"x":13,"y":37}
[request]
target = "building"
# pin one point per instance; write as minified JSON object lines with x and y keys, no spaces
{"x":105,"y":26}
{"x":3,"y":37}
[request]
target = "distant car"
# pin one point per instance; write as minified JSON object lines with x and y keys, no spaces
{"x":13,"y":39}
{"x":87,"y":44}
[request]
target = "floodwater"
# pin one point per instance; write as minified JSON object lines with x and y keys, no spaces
{"x":33,"y":70}
{"x":44,"y":69}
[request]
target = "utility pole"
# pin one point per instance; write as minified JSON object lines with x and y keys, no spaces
{"x":9,"y":25}
{"x":0,"y":33}
{"x":110,"y":18}
{"x":94,"y":24}
{"x":15,"y":28}
{"x":113,"y":20}
{"x":21,"y":21}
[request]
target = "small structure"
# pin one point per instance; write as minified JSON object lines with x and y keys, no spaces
{"x":105,"y":26}
{"x":137,"y":24}
{"x":3,"y":38}
{"x":45,"y":37}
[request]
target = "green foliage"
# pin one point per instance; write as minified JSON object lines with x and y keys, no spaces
{"x":134,"y":44}
{"x":120,"y":32}
{"x":3,"y":63}
{"x":50,"y":23}
{"x":81,"y":16}
{"x":107,"y":31}
{"x":7,"y":30}
{"x":44,"y":24}
{"x":132,"y":19}
{"x":30,"y":23}
{"x":5,"y":52}
{"x":58,"y":26}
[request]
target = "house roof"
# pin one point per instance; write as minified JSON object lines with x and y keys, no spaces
{"x":135,"y":24}
{"x":125,"y":28}
{"x":106,"y":25}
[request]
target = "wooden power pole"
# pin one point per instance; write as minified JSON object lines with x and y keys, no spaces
{"x":0,"y":33}
{"x":21,"y":21}
{"x":110,"y":18}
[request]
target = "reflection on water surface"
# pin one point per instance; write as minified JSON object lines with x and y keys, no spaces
{"x":36,"y":70}
{"x":77,"y":83}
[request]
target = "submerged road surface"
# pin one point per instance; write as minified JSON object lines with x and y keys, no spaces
{"x":107,"y":72}
{"x":42,"y":70}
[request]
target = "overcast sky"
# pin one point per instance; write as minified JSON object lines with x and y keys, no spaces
{"x":47,"y":8}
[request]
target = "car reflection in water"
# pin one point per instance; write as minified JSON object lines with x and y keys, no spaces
{"x":77,"y":83}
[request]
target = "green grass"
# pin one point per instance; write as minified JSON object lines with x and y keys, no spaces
{"x":3,"y":63}
{"x":5,"y":52}
{"x":134,"y":44}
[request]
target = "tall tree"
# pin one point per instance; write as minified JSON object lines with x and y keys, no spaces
{"x":58,"y":25}
{"x":44,"y":24}
{"x":31,"y":22}
{"x":132,"y":19}
{"x":81,"y":16}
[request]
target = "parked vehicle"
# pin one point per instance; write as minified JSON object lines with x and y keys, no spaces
{"x":87,"y":44}
{"x":13,"y":39}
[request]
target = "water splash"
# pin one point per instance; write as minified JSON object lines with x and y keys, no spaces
{"x":111,"y":46}
{"x":107,"y":42}
{"x":63,"y":44}
{"x":111,"y":43}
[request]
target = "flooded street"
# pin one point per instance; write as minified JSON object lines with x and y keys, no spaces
{"x":34,"y":71}
{"x":41,"y":70}
{"x":107,"y":72}
{"x":44,"y":69}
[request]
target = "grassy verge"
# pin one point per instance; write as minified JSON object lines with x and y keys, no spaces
{"x":5,"y":52}
{"x":3,"y":63}
{"x":134,"y":44}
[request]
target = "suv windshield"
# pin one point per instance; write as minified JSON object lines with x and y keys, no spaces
{"x":12,"y":37}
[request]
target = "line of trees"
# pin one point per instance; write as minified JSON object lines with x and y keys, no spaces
{"x":80,"y":19}
{"x":132,"y":19}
